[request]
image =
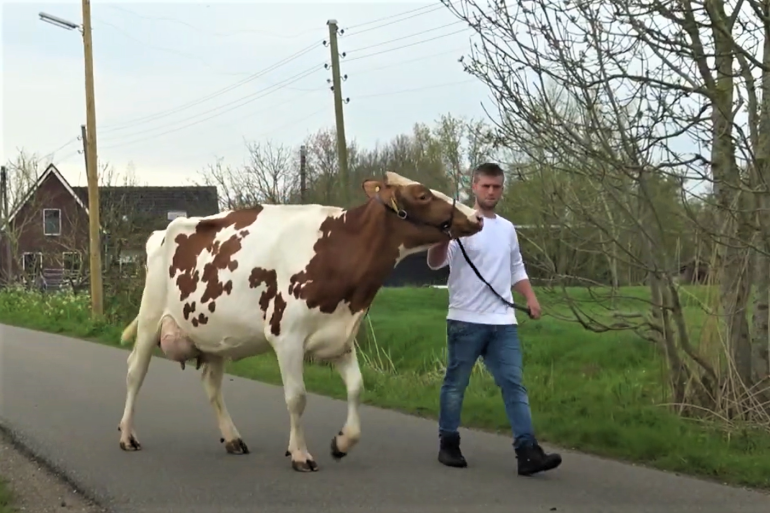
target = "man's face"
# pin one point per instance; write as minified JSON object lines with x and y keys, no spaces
{"x":488,"y":190}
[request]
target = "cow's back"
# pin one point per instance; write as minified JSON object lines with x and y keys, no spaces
{"x":227,"y":276}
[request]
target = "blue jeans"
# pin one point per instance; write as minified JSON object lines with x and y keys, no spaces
{"x":501,"y":350}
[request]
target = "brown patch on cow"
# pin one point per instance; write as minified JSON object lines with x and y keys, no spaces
{"x":357,"y":251}
{"x":202,"y":319}
{"x":275,"y":319}
{"x":222,"y":260}
{"x":212,"y":306}
{"x":353,"y":257}
{"x":259,"y":276}
{"x":244,"y":233}
{"x":189,"y":247}
{"x":188,"y":309}
{"x":194,"y":322}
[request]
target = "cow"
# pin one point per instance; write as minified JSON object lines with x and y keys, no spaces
{"x":294,"y":279}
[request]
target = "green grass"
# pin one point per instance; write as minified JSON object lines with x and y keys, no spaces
{"x":5,"y":498}
{"x":599,"y":393}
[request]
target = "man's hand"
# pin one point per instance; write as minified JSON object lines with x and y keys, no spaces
{"x":534,"y":307}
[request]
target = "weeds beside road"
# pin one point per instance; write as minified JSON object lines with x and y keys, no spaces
{"x":598,"y":393}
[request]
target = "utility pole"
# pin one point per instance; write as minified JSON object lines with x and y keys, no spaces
{"x":95,"y":260}
{"x":342,"y":147}
{"x":6,"y":233}
{"x":97,"y":308}
{"x":302,"y":174}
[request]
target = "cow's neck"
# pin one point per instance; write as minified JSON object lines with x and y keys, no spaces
{"x":370,"y":241}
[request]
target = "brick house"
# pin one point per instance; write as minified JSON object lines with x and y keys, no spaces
{"x":48,"y":231}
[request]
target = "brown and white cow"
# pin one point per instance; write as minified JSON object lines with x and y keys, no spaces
{"x":297,"y":279}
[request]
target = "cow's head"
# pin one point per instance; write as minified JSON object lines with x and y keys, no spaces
{"x":434,"y":216}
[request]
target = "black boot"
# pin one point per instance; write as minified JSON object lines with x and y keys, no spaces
{"x":449,"y":453}
{"x":533,"y":459}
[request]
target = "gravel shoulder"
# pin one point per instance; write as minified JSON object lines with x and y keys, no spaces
{"x":36,"y":488}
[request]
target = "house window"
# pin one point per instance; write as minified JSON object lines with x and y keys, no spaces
{"x":71,"y":261}
{"x":32,"y":263}
{"x":51,"y":221}
{"x":173,"y":214}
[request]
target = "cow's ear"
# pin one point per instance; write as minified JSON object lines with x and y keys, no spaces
{"x":372,"y":187}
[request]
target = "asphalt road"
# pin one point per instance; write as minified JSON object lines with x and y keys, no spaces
{"x":63,"y":399}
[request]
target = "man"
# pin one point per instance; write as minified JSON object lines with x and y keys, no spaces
{"x":480,"y":324}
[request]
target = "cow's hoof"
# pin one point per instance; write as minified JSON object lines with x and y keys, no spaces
{"x":132,"y":444}
{"x":236,"y":446}
{"x":304,"y":466}
{"x":309,"y":465}
{"x":336,"y":453}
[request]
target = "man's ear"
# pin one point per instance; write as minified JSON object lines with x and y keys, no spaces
{"x":372,"y":187}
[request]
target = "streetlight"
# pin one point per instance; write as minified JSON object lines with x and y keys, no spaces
{"x":95,"y":255}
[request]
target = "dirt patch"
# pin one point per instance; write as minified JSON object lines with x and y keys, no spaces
{"x":35,"y":488}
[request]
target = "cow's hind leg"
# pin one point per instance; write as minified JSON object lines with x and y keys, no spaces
{"x":138,"y":363}
{"x":290,"y":360}
{"x":347,"y":366}
{"x":213,"y":372}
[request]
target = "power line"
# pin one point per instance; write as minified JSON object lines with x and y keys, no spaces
{"x":404,"y":46}
{"x":173,"y":51}
{"x":215,"y":34}
{"x":416,"y":89}
{"x":293,"y":79}
{"x":219,"y":110}
{"x":161,"y":114}
{"x":280,"y":85}
{"x":141,"y":120}
{"x":279,"y":128}
{"x":408,"y":36}
{"x":364,"y":71}
{"x":425,"y":9}
{"x":50,"y":153}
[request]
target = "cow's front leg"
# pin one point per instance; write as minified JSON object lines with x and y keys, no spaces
{"x":347,"y":366}
{"x":290,"y":360}
{"x":138,"y":364}
{"x":212,"y":376}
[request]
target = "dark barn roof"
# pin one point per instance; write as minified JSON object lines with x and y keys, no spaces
{"x":157,"y":201}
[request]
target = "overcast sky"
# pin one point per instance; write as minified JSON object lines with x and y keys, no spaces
{"x":159,"y":65}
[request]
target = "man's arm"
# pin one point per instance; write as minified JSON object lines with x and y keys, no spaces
{"x":439,"y":255}
{"x":519,"y":277}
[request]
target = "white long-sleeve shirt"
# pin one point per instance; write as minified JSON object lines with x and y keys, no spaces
{"x":496,"y":254}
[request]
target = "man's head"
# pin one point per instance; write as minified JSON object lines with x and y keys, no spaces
{"x":487,"y":185}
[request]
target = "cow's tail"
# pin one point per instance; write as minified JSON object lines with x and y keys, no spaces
{"x":130,"y":332}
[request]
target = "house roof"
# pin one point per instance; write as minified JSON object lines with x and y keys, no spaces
{"x":149,"y":200}
{"x":157,"y":201}
{"x":50,"y":170}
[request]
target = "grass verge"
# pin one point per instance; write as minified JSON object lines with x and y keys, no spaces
{"x":6,"y":498}
{"x":598,"y":393}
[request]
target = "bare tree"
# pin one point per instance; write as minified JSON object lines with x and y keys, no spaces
{"x":271,"y":175}
{"x":634,"y":102}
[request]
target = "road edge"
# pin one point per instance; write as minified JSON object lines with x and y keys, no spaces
{"x":50,"y":468}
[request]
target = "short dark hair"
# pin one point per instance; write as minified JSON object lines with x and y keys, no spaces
{"x":488,"y":169}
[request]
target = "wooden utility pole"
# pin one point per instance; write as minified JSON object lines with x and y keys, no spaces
{"x":342,"y":147}
{"x":95,"y":260}
{"x":7,"y":226}
{"x":302,"y":174}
